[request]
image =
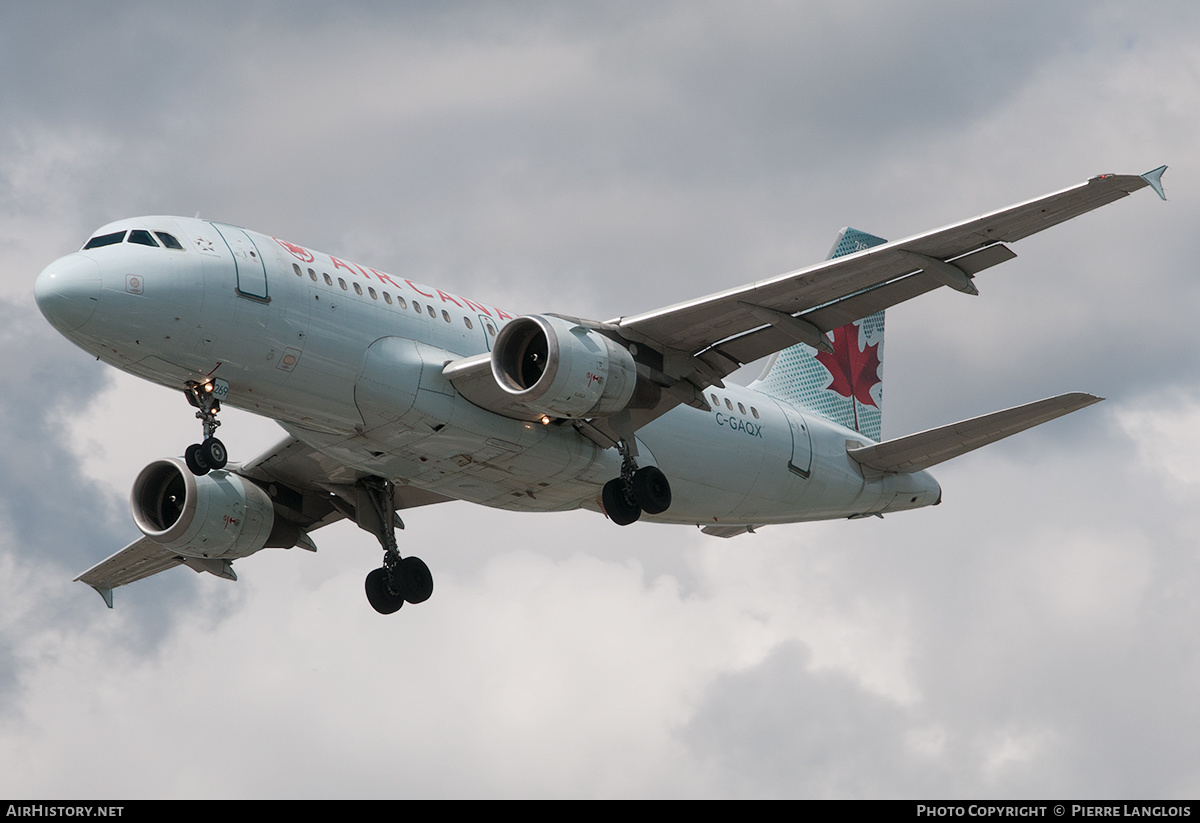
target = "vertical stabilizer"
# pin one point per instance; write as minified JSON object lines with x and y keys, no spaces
{"x":847,"y":385}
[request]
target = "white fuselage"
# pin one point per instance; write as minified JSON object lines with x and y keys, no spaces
{"x":349,"y":360}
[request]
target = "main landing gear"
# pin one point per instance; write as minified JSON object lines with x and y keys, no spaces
{"x":635,"y":491}
{"x":401,"y":579}
{"x":210,"y":453}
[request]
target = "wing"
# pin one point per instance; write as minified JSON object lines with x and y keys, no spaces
{"x":702,"y":341}
{"x":139,"y":560}
{"x":306,"y":488}
{"x":314,"y":490}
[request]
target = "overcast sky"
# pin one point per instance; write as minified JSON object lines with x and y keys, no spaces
{"x":1033,"y":636}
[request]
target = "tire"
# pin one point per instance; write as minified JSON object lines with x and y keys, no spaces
{"x":416,"y":581}
{"x":213,"y":453}
{"x":378,"y":596}
{"x":195,"y":461}
{"x":651,"y":490}
{"x":618,"y":509}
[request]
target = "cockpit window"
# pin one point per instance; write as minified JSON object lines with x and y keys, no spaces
{"x":105,"y":240}
{"x":139,"y":236}
{"x":142,"y":237}
{"x":169,"y":240}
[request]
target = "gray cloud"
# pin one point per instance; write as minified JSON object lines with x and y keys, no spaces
{"x":1029,"y":637}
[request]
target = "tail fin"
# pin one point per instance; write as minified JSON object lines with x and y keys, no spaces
{"x":847,"y":385}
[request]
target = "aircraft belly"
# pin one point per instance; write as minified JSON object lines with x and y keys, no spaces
{"x":466,"y":465}
{"x":711,"y":483}
{"x":748,"y":471}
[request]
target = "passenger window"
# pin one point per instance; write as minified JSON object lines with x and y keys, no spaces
{"x":728,"y":404}
{"x":371,"y":291}
{"x":105,"y":240}
{"x":328,"y":279}
{"x":357,"y":289}
{"x":446,"y":315}
{"x":142,"y":238}
{"x":741,"y":408}
{"x":387,"y":298}
{"x":416,"y":307}
{"x":467,"y":322}
{"x":170,"y":242}
{"x":716,"y":402}
{"x":403,"y":303}
{"x":754,"y":412}
{"x":342,"y":283}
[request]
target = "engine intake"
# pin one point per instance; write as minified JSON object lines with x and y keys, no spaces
{"x":219,"y":515}
{"x":560,"y":368}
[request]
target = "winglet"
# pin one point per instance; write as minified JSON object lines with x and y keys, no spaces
{"x":106,"y":594}
{"x":1154,"y":178}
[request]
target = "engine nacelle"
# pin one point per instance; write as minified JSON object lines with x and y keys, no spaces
{"x":560,"y":368}
{"x":219,"y":515}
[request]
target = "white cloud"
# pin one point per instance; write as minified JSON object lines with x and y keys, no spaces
{"x":1166,"y":430}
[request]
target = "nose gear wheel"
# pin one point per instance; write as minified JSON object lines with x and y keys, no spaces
{"x":210,"y":453}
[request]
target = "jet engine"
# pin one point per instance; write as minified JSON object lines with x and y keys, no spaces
{"x":560,"y":368}
{"x":219,"y":515}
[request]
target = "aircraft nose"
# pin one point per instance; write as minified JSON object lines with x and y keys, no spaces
{"x":68,"y":291}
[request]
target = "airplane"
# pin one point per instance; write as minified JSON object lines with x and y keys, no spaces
{"x":394,"y":394}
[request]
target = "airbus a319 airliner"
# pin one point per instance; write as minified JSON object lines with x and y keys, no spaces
{"x":394,"y":394}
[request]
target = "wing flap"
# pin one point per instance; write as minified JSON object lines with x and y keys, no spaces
{"x":768,"y":340}
{"x":920,"y":451}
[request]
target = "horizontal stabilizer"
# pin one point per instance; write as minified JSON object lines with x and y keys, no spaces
{"x":928,"y":448}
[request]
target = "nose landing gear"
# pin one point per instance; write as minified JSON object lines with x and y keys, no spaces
{"x":210,"y":453}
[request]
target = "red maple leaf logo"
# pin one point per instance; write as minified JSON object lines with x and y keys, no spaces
{"x":854,"y":371}
{"x":297,"y":251}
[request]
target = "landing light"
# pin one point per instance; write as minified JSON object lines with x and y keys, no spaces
{"x":545,"y":420}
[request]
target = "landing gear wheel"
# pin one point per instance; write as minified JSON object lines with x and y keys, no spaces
{"x":209,"y":453}
{"x":195,"y":461}
{"x":651,"y":490}
{"x":618,"y":508}
{"x":382,"y":600}
{"x":416,"y":581}
{"x":213,"y":453}
{"x":401,"y":578}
